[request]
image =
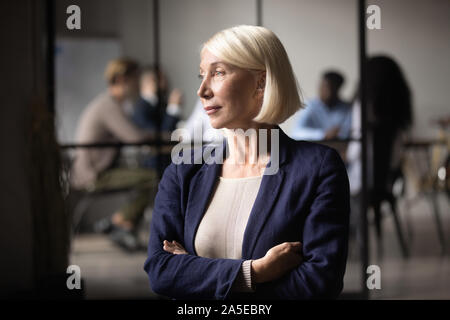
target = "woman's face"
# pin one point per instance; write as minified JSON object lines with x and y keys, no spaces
{"x":230,"y":95}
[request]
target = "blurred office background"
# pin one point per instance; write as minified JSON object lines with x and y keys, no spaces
{"x":318,"y":36}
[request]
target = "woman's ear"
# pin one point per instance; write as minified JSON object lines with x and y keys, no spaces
{"x":261,"y":82}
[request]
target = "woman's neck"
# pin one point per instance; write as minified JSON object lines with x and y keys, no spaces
{"x":250,"y":146}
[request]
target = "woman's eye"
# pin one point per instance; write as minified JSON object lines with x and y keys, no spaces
{"x":216,"y":73}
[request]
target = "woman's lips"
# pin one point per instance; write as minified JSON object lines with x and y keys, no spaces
{"x":212,"y":109}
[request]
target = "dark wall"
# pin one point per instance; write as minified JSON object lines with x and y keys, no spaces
{"x":33,"y":233}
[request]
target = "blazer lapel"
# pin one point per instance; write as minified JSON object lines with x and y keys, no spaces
{"x":261,"y":210}
{"x":200,"y":196}
{"x":267,"y":196}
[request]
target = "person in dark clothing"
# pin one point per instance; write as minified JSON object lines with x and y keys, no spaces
{"x":389,"y":116}
{"x":151,"y":114}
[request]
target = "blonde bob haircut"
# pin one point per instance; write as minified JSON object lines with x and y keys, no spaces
{"x":258,"y":48}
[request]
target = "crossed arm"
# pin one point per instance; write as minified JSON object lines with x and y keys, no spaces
{"x":277,"y":261}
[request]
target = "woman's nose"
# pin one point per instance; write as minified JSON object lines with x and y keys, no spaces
{"x":204,"y":91}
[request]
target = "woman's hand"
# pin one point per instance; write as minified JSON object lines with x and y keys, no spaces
{"x":173,"y":247}
{"x":277,"y":261}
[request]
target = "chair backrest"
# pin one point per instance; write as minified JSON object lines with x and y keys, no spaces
{"x":387,"y":155}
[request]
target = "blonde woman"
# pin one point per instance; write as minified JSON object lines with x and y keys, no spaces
{"x":234,"y":229}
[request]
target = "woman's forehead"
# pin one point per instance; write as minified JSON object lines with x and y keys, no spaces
{"x":207,"y":59}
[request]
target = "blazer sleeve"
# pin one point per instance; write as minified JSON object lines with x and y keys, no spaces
{"x":325,"y":239}
{"x":184,"y":276}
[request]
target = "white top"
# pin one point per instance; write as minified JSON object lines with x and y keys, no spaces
{"x":221,"y":231}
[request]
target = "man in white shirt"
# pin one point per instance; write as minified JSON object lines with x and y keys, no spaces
{"x":327,"y":116}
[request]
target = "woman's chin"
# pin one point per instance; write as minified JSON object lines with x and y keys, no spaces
{"x":216,"y":123}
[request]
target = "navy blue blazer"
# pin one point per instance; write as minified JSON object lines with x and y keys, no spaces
{"x":307,"y":200}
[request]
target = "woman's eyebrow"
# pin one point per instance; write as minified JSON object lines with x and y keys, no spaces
{"x":213,"y":64}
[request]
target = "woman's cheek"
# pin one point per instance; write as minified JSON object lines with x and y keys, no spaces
{"x":218,"y":89}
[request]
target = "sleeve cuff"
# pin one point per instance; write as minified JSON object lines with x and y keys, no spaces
{"x":173,"y":110}
{"x":243,"y":281}
{"x":247,"y":273}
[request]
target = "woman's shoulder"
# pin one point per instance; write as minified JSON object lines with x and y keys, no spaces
{"x":310,"y":161}
{"x":311,"y":153}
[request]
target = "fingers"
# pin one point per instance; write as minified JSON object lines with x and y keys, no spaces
{"x":177,"y":244}
{"x":294,"y":253}
{"x":168,"y":246}
{"x":173,"y":247}
{"x":292,"y":246}
{"x":296,"y":246}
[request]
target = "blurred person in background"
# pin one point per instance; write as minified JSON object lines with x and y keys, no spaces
{"x":149,"y":113}
{"x":146,"y":112}
{"x":389,"y":118}
{"x":327,"y":116}
{"x":95,"y":169}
